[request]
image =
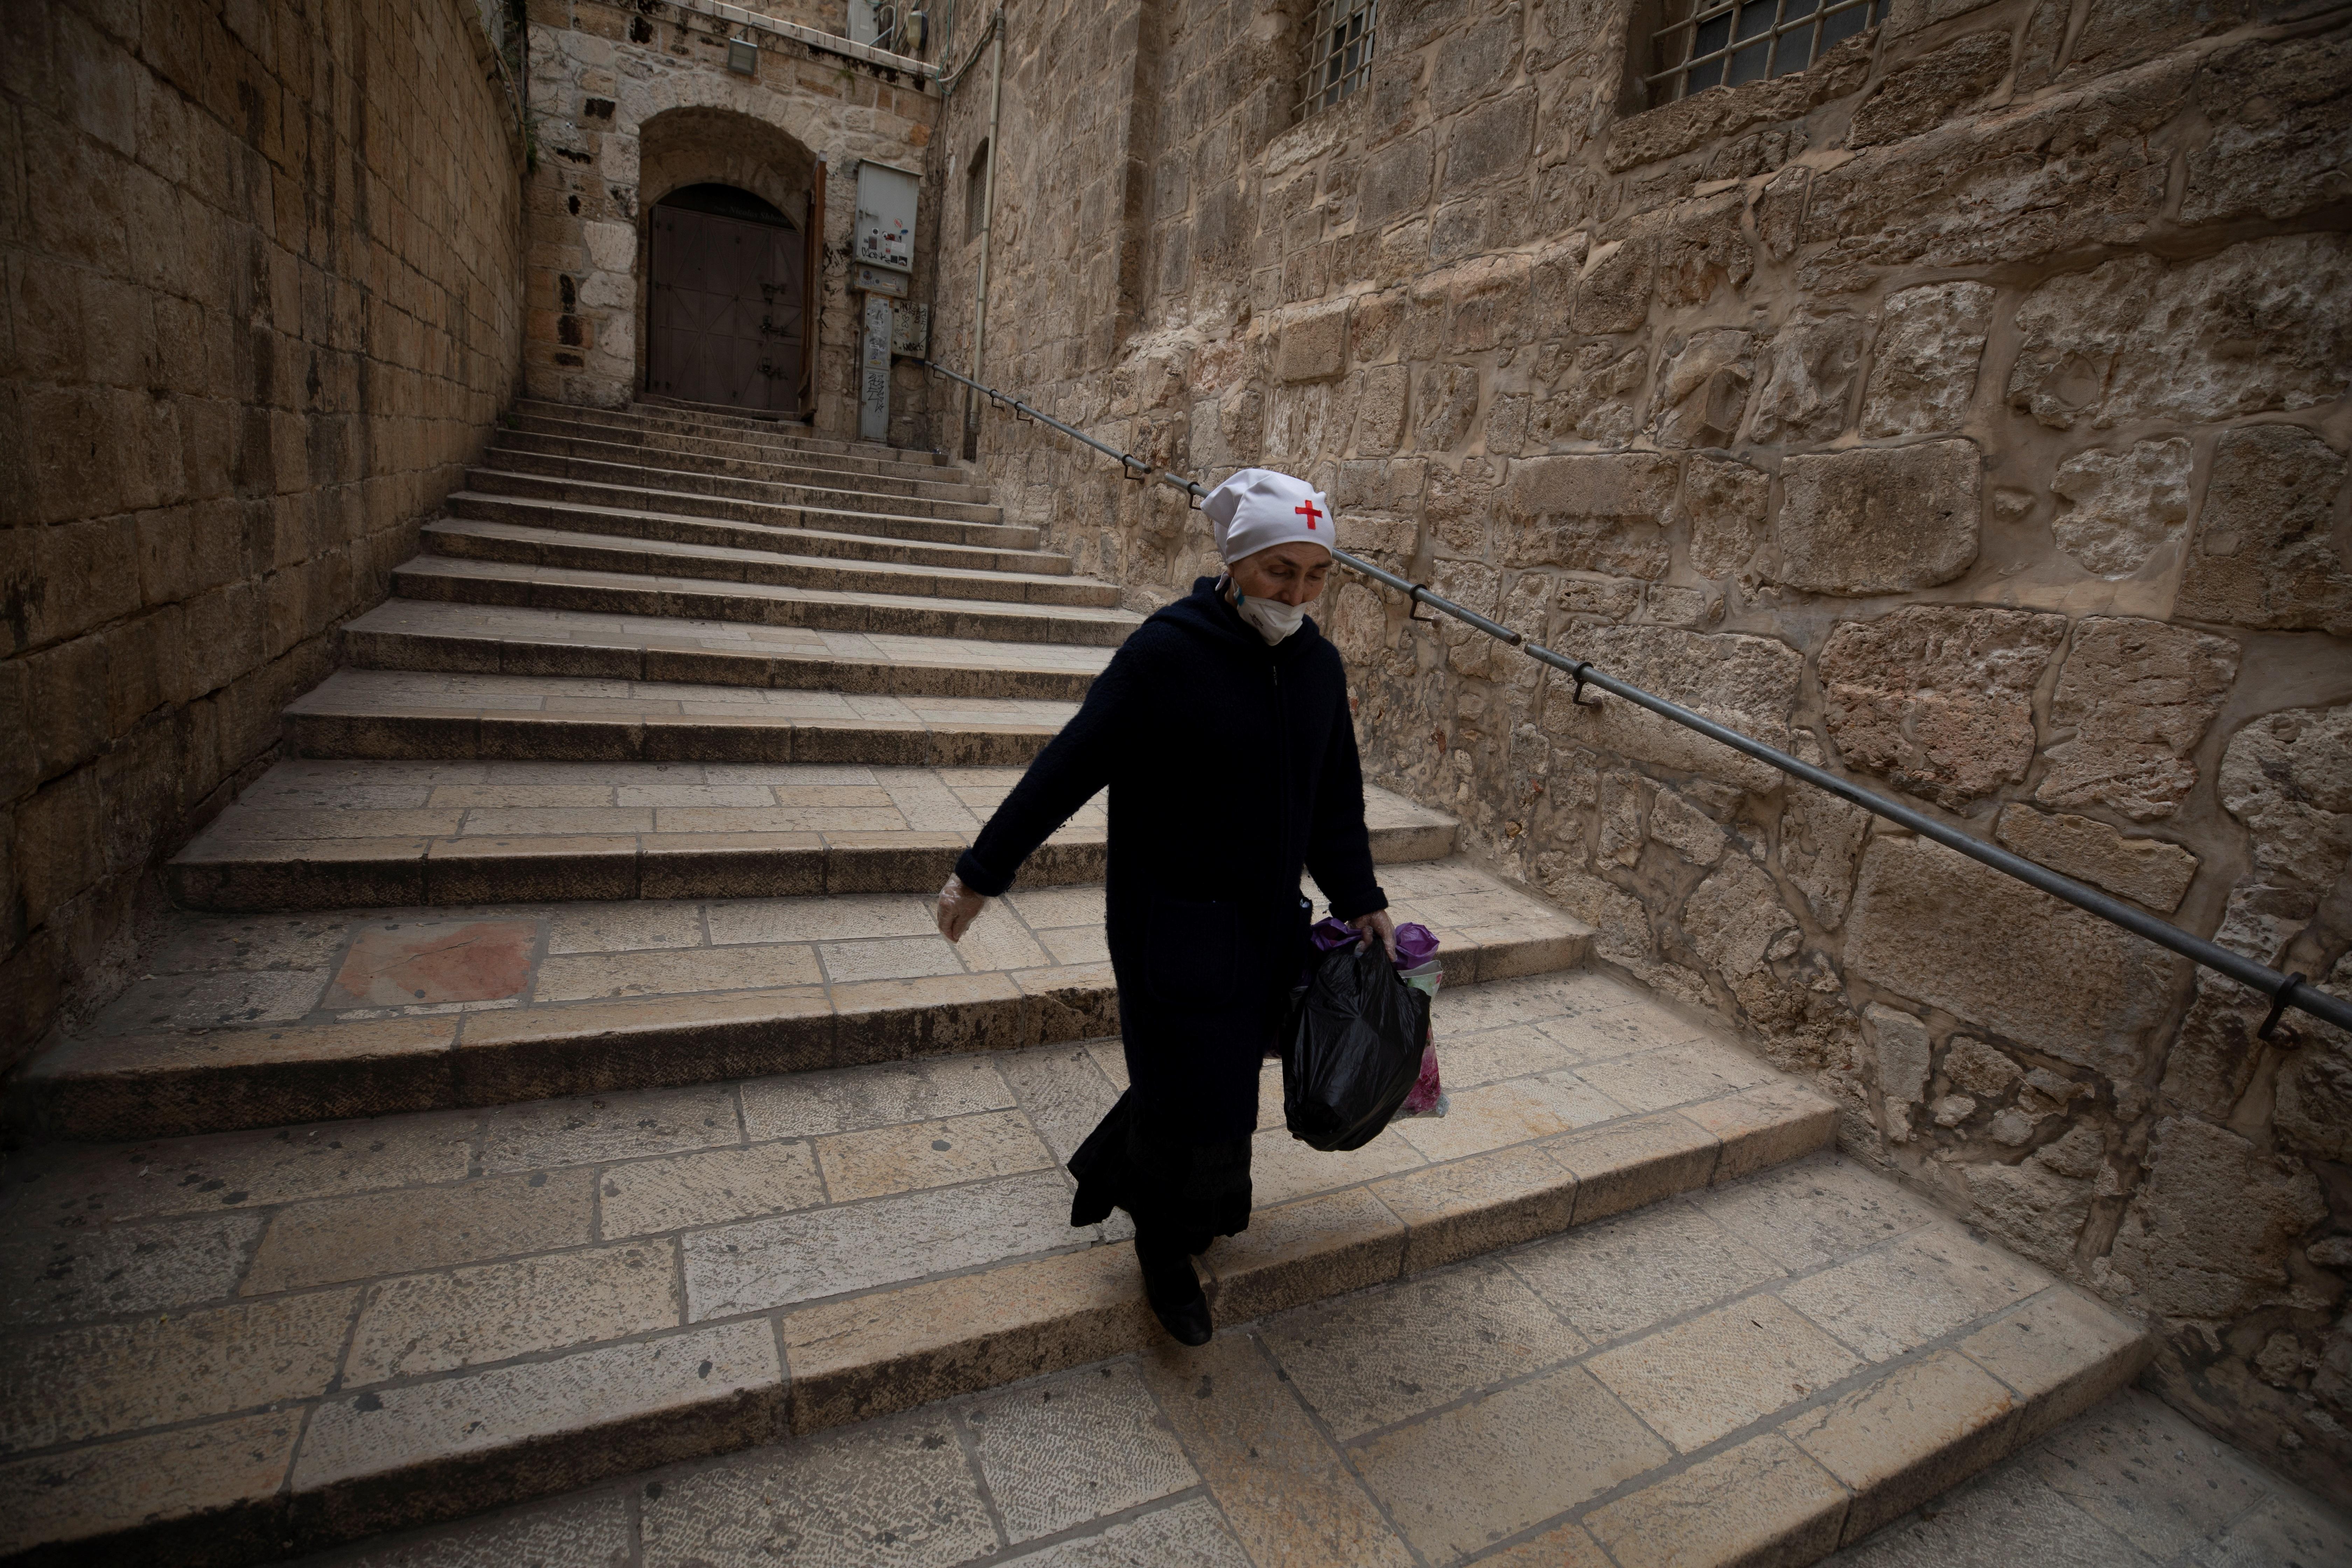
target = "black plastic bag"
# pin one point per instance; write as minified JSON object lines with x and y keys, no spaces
{"x":1350,"y":1049}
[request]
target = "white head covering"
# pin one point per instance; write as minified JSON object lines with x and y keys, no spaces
{"x":1257,"y":507}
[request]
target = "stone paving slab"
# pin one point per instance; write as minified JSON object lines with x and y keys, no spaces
{"x":530,"y":545}
{"x":266,"y":1020}
{"x":638,"y":593}
{"x":322,"y":833}
{"x":715,"y":445}
{"x":428,"y":715}
{"x":426,"y":634}
{"x":472,"y":1305}
{"x":994,"y":549}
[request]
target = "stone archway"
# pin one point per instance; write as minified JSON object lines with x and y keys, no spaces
{"x":690,"y":161}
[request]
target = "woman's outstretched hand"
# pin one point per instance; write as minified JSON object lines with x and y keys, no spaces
{"x":1375,"y":924}
{"x":960,"y":906}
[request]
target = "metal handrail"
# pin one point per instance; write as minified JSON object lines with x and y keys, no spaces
{"x":2283,"y":990}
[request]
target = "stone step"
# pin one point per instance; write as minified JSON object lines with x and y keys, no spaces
{"x":718,"y":416}
{"x":773,"y":436}
{"x":359,"y":1327}
{"x":635,"y":522}
{"x":412,"y":715}
{"x":449,"y":578}
{"x":776,"y":564}
{"x":317,"y":833}
{"x":697,"y":455}
{"x":723,"y":446}
{"x":432,"y":634}
{"x":1543,"y":1409}
{"x":877,"y":520}
{"x":781,"y":484}
{"x":511,"y":1002}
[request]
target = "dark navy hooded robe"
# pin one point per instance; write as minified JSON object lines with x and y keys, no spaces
{"x":1231,"y":765}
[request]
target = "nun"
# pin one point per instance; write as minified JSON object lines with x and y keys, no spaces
{"x":1221,"y":730}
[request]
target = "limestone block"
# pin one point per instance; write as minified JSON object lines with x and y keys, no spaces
{"x":1749,"y":683}
{"x":2263,"y":325}
{"x":2313,"y":1113}
{"x":2287,"y":776}
{"x":1979,"y":1068}
{"x":1734,"y":917}
{"x":1702,"y":387}
{"x":1395,"y":181}
{"x":1902,"y":1053}
{"x":1686,"y":830}
{"x":2122,"y":505}
{"x":1705,"y":249}
{"x":2137,"y":696}
{"x":2146,"y":870}
{"x":2070,"y":330}
{"x":1593,"y":512}
{"x":1604,"y":598}
{"x":2077,"y":170}
{"x":1939,"y":699}
{"x":1924,"y":369}
{"x":1813,"y":363}
{"x":1597,"y":396}
{"x":1492,"y":139}
{"x":2119,"y":33}
{"x":2264,"y":552}
{"x":1724,"y":502}
{"x":2208,"y":1233}
{"x":1781,"y":209}
{"x":1879,"y":520}
{"x":1489,"y":303}
{"x":2035,"y":1211}
{"x":1381,"y":410}
{"x":1614,"y":294}
{"x":1448,"y":402}
{"x":2282,"y":131}
{"x":1820,"y":841}
{"x":1933,"y":925}
{"x":1315,"y":344}
{"x":1921,"y":93}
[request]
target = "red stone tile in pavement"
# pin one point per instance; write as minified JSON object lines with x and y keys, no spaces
{"x":405,"y":963}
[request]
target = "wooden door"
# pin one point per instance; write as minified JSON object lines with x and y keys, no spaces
{"x":724,"y":309}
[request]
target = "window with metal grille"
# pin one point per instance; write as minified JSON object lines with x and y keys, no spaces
{"x":1339,"y":53}
{"x":1723,"y":43}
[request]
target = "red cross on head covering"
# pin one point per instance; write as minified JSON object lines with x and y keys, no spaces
{"x":1256,"y":508}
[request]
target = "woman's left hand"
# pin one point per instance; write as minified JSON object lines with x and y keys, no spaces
{"x":1377,"y":924}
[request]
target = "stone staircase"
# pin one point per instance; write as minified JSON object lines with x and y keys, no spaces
{"x":551,"y":1069}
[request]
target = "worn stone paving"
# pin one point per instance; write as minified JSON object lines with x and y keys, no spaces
{"x":229,"y":971}
{"x":448,"y":1269}
{"x":375,"y":691}
{"x":1683,"y":1385}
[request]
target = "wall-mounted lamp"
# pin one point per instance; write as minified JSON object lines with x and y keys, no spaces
{"x":743,"y":57}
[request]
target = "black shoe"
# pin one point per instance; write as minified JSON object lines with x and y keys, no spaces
{"x":1175,"y":1295}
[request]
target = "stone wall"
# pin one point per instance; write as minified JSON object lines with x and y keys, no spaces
{"x":1966,"y":413}
{"x":263,"y":268}
{"x":631,"y":101}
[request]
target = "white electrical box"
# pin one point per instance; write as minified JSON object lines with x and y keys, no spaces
{"x":886,"y":217}
{"x":865,"y":277}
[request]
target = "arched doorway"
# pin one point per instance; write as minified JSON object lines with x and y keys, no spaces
{"x":726,"y":299}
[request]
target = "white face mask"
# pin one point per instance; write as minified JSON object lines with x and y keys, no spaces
{"x":1274,"y":619}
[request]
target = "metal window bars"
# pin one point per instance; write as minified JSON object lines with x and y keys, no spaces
{"x":2284,"y":991}
{"x":1723,"y":43}
{"x":1340,"y":44}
